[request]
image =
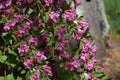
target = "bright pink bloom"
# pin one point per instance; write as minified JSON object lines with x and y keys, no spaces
{"x":29,"y":1}
{"x":90,"y":65}
{"x":84,"y":57}
{"x":48,"y":2}
{"x":28,"y":63}
{"x":61,"y":32}
{"x":25,"y":29}
{"x":84,"y":25}
{"x":77,"y":2}
{"x":54,"y":16}
{"x":8,"y":3}
{"x":47,"y":70}
{"x":36,"y":75}
{"x":33,"y":40}
{"x":23,"y":49}
{"x":40,"y":56}
{"x":70,"y":15}
{"x":74,"y":64}
{"x":65,"y":55}
{"x":97,"y":79}
{"x":62,"y":44}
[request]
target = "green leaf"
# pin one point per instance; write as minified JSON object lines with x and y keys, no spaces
{"x":1,"y":78}
{"x":23,"y":71}
{"x":105,"y":78}
{"x":0,"y":52}
{"x":12,"y":52}
{"x":3,"y":59}
{"x":10,"y":41}
{"x":80,"y":70}
{"x":1,"y":21}
{"x":13,"y":36}
{"x":62,"y":64}
{"x":98,"y":75}
{"x":18,"y":78}
{"x":9,"y":77}
{"x":51,"y":41}
{"x":27,"y":76}
{"x":5,"y":33}
{"x":60,"y":25}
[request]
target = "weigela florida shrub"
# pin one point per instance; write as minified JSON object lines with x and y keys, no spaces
{"x":46,"y":40}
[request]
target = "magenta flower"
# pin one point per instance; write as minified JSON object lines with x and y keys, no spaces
{"x":70,"y":15}
{"x":90,"y":65}
{"x":10,"y":25}
{"x":47,"y":70}
{"x":54,"y":16}
{"x":84,"y":57}
{"x":61,"y":32}
{"x":77,"y":2}
{"x":40,"y":56}
{"x":23,"y":49}
{"x":29,"y":1}
{"x":36,"y":75}
{"x":19,"y":18}
{"x":59,"y":3}
{"x":97,"y":79}
{"x":88,"y":48}
{"x":62,"y":44}
{"x":1,"y":6}
{"x":33,"y":40}
{"x":74,"y":64}
{"x":8,"y":3}
{"x":84,"y":25}
{"x":28,"y":63}
{"x":80,"y":30}
{"x":65,"y":55}
{"x":48,"y":2}
{"x":25,"y":29}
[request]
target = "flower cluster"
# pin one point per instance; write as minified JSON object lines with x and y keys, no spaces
{"x":37,"y":38}
{"x":70,"y":15}
{"x":54,"y":16}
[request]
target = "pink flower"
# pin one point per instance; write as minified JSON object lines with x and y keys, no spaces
{"x":40,"y":56}
{"x":19,"y":17}
{"x":59,"y":3}
{"x":54,"y":16}
{"x":65,"y":55}
{"x":74,"y":64}
{"x":90,"y":65}
{"x":36,"y":75}
{"x":84,"y":57}
{"x":1,"y":6}
{"x":9,"y":11}
{"x":61,"y":32}
{"x":77,"y":2}
{"x":28,"y":63}
{"x":88,"y":48}
{"x":47,"y":70}
{"x":48,"y":2}
{"x":23,"y":49}
{"x":62,"y":44}
{"x":97,"y":79}
{"x":33,"y":41}
{"x":70,"y":15}
{"x":84,"y":25}
{"x":80,"y":30}
{"x":29,"y":1}
{"x":24,"y":30}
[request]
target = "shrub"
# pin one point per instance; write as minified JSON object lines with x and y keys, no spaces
{"x":46,"y":40}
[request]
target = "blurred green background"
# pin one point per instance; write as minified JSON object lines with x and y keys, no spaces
{"x":113,"y":14}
